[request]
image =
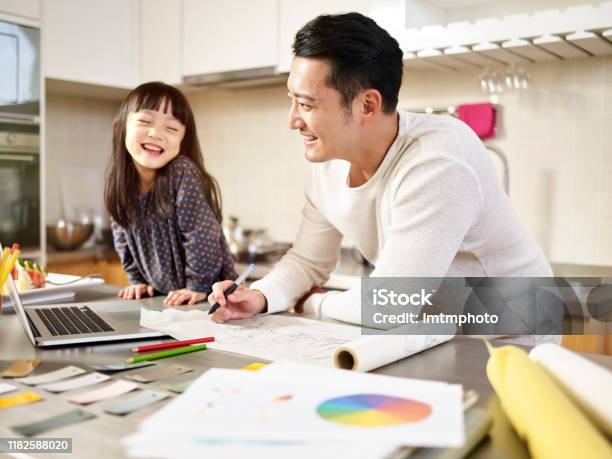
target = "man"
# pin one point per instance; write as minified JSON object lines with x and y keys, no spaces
{"x":417,"y":194}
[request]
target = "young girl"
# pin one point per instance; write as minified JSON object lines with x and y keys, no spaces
{"x":165,"y":208}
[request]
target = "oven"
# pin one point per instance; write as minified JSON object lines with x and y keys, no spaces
{"x":19,"y":186}
{"x":19,"y":135}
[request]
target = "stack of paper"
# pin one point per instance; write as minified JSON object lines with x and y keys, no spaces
{"x":297,"y":410}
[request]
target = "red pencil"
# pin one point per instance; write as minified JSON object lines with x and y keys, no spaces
{"x":172,"y":344}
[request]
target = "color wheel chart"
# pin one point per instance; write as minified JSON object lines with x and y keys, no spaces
{"x":373,"y":410}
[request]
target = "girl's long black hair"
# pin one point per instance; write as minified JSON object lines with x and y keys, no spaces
{"x":121,"y":189}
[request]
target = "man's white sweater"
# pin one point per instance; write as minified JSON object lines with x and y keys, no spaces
{"x":433,"y":208}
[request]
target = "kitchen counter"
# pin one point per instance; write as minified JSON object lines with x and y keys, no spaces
{"x":349,"y":269}
{"x":461,"y":361}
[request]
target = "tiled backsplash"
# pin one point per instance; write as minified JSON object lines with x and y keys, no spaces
{"x":257,"y":160}
{"x":557,"y":136}
{"x":78,"y":139}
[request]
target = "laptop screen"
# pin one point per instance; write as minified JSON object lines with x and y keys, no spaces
{"x":16,"y":300}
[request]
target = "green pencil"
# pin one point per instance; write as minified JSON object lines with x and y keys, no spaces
{"x":168,"y":353}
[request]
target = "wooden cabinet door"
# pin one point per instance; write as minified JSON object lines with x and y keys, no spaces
{"x":111,"y":271}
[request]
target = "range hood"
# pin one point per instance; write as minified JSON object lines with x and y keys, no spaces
{"x":244,"y":78}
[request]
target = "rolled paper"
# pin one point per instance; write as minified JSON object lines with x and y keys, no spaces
{"x":540,"y":411}
{"x":587,"y":384}
{"x":369,"y":352}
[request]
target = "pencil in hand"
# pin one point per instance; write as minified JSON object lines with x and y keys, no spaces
{"x":232,"y":288}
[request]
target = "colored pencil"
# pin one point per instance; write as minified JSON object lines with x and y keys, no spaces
{"x":7,"y":265}
{"x":6,"y":253}
{"x":172,"y":344}
{"x":168,"y":353}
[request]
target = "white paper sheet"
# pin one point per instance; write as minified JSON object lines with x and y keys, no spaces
{"x":275,"y":337}
{"x":270,"y":337}
{"x":269,"y":410}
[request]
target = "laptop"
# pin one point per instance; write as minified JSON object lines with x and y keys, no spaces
{"x":78,"y":323}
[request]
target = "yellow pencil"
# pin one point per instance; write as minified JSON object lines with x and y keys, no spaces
{"x":9,"y":266}
{"x":6,"y":253}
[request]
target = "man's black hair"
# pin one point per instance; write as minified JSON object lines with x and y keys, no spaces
{"x":362,"y":55}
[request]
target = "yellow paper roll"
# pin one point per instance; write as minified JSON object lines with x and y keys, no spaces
{"x":539,"y":411}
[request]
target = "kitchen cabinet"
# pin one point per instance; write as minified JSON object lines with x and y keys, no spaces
{"x":293,"y":15}
{"x":593,"y":344}
{"x":228,"y":36}
{"x":28,"y":9}
{"x":457,"y":35}
{"x":160,"y":41}
{"x":91,"y":42}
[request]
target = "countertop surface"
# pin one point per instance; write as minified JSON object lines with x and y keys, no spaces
{"x":349,"y":263}
{"x":347,"y":274}
{"x":461,"y":360}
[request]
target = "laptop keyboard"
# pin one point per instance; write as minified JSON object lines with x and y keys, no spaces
{"x":73,"y":320}
{"x":35,"y":331}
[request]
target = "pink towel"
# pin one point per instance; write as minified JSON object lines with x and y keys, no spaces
{"x":480,"y":117}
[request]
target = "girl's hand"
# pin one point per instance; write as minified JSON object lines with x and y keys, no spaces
{"x":178,"y":297}
{"x":243,"y":303}
{"x":136,"y":291}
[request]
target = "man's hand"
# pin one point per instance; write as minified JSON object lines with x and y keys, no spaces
{"x":243,"y":303}
{"x":135,"y":292}
{"x":178,"y":297}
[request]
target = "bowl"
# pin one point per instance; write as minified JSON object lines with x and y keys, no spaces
{"x":67,"y":235}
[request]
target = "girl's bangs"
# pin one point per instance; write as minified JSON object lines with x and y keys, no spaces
{"x":156,"y":97}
